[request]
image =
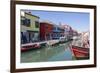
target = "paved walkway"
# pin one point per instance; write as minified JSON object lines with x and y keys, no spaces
{"x":49,"y":42}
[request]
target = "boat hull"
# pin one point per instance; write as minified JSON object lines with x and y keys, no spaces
{"x":80,"y":52}
{"x":29,"y":47}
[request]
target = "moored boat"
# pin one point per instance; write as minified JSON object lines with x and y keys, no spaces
{"x":80,"y":46}
{"x":29,"y":47}
{"x":80,"y":52}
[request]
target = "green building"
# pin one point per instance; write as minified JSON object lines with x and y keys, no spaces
{"x":29,"y":27}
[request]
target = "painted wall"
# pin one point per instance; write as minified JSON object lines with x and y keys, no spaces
{"x":45,"y":30}
{"x":32,"y":23}
{"x":33,"y":19}
{"x":57,"y":32}
{"x":30,"y":32}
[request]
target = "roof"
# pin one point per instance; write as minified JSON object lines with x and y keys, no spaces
{"x":48,"y":22}
{"x":32,"y":14}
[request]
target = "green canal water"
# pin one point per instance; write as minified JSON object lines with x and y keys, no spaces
{"x":60,"y":52}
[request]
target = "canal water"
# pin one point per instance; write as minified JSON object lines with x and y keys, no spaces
{"x":60,"y":52}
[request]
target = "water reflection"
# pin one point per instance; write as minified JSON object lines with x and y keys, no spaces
{"x":60,"y":52}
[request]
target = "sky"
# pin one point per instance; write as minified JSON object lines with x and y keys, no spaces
{"x":77,"y":20}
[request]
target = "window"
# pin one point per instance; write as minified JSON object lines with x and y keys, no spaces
{"x":22,"y":20}
{"x":25,"y":21}
{"x":36,"y":24}
{"x":54,"y":28}
{"x":60,"y":29}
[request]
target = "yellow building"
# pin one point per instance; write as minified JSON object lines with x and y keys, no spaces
{"x":29,"y":27}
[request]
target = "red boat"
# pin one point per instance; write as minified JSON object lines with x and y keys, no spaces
{"x":80,"y":52}
{"x":80,"y":46}
{"x":29,"y":47}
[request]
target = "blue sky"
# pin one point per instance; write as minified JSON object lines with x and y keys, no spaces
{"x":78,"y":21}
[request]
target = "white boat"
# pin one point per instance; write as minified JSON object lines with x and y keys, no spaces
{"x":62,"y":39}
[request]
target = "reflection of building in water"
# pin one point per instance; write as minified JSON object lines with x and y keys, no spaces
{"x":29,"y":27}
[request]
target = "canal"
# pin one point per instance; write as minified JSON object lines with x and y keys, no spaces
{"x":60,"y":52}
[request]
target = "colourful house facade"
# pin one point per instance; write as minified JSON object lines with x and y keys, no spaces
{"x":46,"y":30}
{"x":29,"y":28}
{"x":57,"y":32}
{"x":68,"y":33}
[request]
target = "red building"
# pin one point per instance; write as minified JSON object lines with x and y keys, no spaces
{"x":46,"y":30}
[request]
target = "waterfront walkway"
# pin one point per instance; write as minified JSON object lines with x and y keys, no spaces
{"x":49,"y":42}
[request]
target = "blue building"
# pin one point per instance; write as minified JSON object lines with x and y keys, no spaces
{"x":57,"y":32}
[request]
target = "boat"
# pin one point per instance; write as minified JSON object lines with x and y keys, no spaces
{"x":80,"y":52}
{"x":80,"y":47}
{"x":30,"y":47}
{"x":62,"y":39}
